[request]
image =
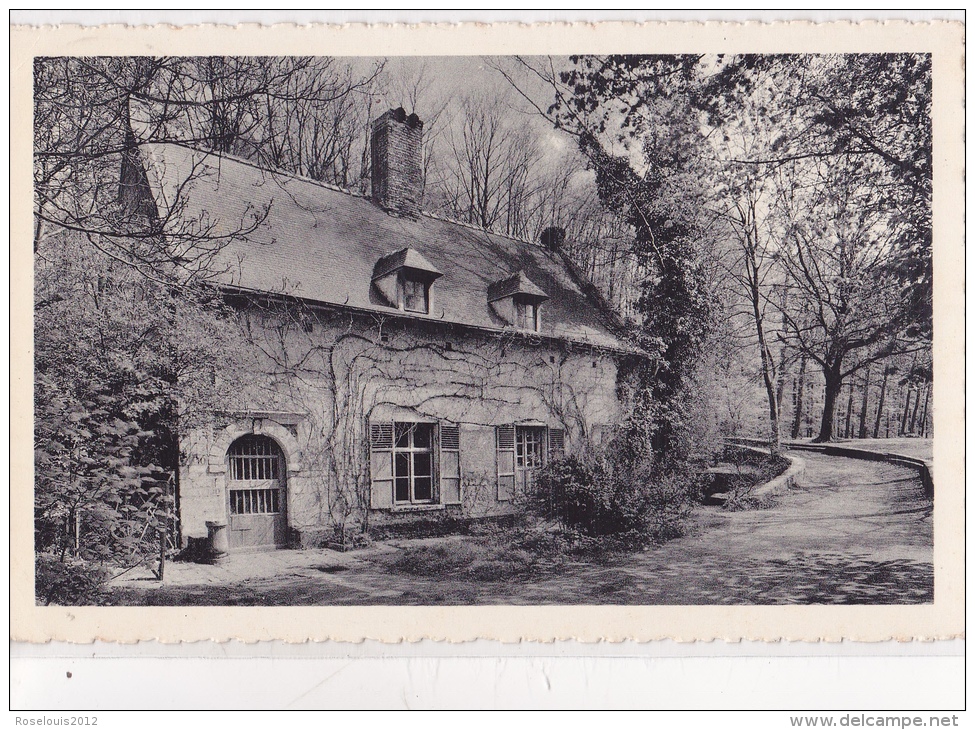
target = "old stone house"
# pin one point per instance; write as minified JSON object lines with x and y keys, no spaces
{"x":415,"y":367}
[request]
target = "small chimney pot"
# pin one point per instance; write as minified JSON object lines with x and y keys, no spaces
{"x":553,"y":237}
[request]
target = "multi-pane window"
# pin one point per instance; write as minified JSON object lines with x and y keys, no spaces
{"x":529,"y":447}
{"x":416,"y":294}
{"x":520,"y":451}
{"x":526,"y":315}
{"x":254,"y":501}
{"x":413,"y":462}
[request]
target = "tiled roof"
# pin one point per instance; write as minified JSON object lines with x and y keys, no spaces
{"x":323,"y":244}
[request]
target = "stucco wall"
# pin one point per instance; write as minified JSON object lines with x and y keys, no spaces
{"x":332,"y":372}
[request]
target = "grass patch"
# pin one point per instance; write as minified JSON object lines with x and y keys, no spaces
{"x":496,"y":554}
{"x":333,"y":568}
{"x":437,"y":557}
{"x":531,"y":547}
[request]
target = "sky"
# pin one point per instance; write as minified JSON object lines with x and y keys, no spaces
{"x":447,"y":81}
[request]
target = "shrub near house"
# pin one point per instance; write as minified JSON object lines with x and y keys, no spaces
{"x":576,"y":507}
{"x":598,"y":494}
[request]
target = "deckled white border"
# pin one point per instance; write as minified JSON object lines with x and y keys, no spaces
{"x":943,"y":619}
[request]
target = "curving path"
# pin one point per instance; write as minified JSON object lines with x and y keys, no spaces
{"x":852,"y":532}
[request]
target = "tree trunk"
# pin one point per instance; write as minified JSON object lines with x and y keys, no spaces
{"x":162,"y":554}
{"x":837,"y":415}
{"x":834,"y":384}
{"x":800,"y":391}
{"x":773,"y":408}
{"x":880,"y":404}
{"x":907,"y":409}
{"x":917,"y":406}
{"x":767,"y":374}
{"x":849,"y":409}
{"x":68,"y":539}
{"x":780,"y":380}
{"x":924,"y":414}
{"x":38,"y":227}
{"x":864,"y":404}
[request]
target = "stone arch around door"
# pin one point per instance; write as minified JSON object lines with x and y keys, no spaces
{"x":257,"y":501}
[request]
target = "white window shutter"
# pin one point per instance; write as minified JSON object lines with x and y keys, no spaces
{"x":505,"y":441}
{"x":381,"y":465}
{"x":450,"y":463}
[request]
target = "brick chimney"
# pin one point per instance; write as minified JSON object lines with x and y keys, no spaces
{"x":397,"y":163}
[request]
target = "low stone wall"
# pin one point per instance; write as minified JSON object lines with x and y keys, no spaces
{"x":786,"y":480}
{"x":923,"y":467}
{"x":762,"y":493}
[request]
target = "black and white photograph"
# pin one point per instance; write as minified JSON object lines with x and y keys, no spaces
{"x":632,"y":329}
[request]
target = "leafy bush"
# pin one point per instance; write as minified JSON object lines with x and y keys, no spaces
{"x":599,"y":495}
{"x":122,"y":366}
{"x":754,"y":469}
{"x":71,"y":582}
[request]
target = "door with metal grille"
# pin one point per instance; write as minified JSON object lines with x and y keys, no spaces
{"x":256,"y":493}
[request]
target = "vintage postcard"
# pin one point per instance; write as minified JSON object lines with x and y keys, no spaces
{"x":614,"y":331}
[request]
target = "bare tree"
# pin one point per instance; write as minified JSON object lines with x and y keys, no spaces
{"x":92,"y":114}
{"x":837,"y":263}
{"x":753,"y":268}
{"x":489,"y":178}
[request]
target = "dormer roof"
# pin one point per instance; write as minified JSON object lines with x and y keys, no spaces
{"x":406,"y":258}
{"x":516,"y":284}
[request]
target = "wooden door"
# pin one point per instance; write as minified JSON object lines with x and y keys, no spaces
{"x":256,"y":493}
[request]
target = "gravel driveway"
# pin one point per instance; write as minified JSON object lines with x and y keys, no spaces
{"x":852,"y":532}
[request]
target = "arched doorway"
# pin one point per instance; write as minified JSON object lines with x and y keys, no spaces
{"x":256,"y":493}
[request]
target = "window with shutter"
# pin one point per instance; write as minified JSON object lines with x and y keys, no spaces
{"x":381,"y":465}
{"x":450,"y":463}
{"x":505,"y":440}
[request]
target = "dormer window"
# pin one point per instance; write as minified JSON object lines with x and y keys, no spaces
{"x":405,"y":280}
{"x":517,"y":301}
{"x":415,"y":294}
{"x":526,"y":314}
